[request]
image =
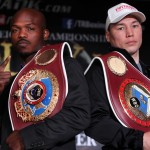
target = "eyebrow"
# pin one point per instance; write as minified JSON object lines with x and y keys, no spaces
{"x":121,"y":23}
{"x":25,"y":24}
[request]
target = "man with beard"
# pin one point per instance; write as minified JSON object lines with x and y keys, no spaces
{"x":28,"y":121}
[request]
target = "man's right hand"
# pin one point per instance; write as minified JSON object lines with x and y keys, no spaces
{"x":146,"y":139}
{"x":4,"y":75}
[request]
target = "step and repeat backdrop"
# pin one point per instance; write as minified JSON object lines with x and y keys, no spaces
{"x":81,"y":23}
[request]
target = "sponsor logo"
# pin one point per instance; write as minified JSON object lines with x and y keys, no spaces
{"x":68,"y":23}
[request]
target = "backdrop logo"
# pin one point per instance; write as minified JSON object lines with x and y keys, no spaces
{"x":68,"y":23}
{"x":2,"y":19}
{"x":84,"y":24}
{"x":37,"y":4}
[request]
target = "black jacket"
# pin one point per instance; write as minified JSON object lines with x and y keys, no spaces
{"x":58,"y":132}
{"x":104,"y":127}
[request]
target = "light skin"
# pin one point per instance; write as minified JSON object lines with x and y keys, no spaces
{"x":127,"y":34}
{"x":28,"y":35}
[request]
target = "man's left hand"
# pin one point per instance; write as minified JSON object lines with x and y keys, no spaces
{"x":14,"y":141}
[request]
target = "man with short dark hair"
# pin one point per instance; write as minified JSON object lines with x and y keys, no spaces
{"x":46,"y":105}
{"x":117,"y":81}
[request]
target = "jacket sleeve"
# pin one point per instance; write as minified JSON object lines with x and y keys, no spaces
{"x":73,"y":118}
{"x":104,"y":126}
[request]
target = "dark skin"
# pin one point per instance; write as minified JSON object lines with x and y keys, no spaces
{"x":28,"y":35}
{"x":28,"y":32}
{"x":4,"y":75}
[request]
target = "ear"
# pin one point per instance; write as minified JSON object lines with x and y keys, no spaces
{"x":46,"y":34}
{"x":107,"y":36}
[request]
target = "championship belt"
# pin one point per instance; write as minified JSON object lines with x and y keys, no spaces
{"x":40,"y":88}
{"x":128,"y":91}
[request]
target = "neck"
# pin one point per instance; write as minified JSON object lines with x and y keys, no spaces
{"x":28,"y":57}
{"x":136,"y":57}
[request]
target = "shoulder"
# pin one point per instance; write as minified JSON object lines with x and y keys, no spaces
{"x":71,"y":63}
{"x":94,"y":66}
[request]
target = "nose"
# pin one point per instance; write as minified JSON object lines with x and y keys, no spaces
{"x":129,"y":32}
{"x":22,"y":33}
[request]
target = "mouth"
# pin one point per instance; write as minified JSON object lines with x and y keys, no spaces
{"x":23,"y":43}
{"x":131,"y":42}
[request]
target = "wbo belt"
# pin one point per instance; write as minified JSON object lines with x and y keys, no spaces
{"x":40,"y":88}
{"x":128,"y":91}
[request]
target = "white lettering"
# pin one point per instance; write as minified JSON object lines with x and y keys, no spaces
{"x":37,"y":4}
{"x":91,"y":142}
{"x":88,"y":24}
{"x":59,"y":8}
{"x":7,"y":4}
{"x":95,"y":38}
{"x":4,"y":34}
{"x":83,"y":140}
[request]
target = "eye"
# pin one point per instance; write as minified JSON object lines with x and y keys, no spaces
{"x":14,"y":30}
{"x":120,"y":28}
{"x":135,"y":25}
{"x":30,"y":29}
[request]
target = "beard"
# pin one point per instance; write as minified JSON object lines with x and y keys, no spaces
{"x":25,"y":55}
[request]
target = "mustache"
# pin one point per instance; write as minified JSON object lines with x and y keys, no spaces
{"x":22,"y":41}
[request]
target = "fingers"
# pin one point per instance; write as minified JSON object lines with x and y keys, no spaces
{"x":4,"y":79}
{"x":4,"y":76}
{"x":4,"y":63}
